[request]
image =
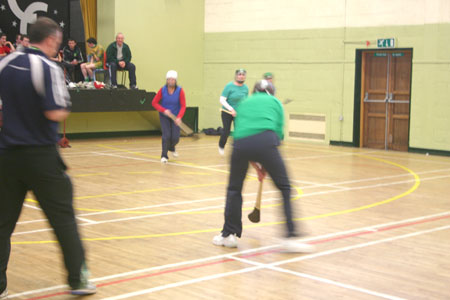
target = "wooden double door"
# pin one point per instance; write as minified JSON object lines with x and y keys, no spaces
{"x":385,"y":99}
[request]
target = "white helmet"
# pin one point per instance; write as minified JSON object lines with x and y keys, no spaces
{"x":172,"y":74}
{"x":262,"y":86}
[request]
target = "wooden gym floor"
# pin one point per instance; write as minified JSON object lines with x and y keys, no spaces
{"x":380,"y":221}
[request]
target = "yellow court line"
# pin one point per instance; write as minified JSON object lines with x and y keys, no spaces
{"x":151,"y":190}
{"x":145,"y":172}
{"x":342,"y":212}
{"x":194,"y":173}
{"x":88,"y":175}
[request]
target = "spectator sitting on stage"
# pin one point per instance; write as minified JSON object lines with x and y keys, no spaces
{"x":57,"y":59}
{"x":18,"y":41}
{"x":119,"y":58}
{"x":24,"y":43}
{"x":72,"y":57}
{"x":6,"y":47}
{"x":95,"y":59}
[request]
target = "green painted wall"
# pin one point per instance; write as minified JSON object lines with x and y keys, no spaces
{"x":105,"y":21}
{"x":316,"y":68}
{"x":163,"y":35}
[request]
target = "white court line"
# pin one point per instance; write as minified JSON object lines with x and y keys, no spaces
{"x":255,"y":268}
{"x":90,"y":222}
{"x":336,"y":283}
{"x":252,"y":250}
{"x":155,"y":206}
{"x":380,"y":153}
{"x":180,"y":165}
{"x":40,"y":209}
{"x":331,"y":155}
{"x":246,"y":195}
{"x":86,"y":220}
{"x":146,"y":149}
{"x":203,"y":208}
{"x":388,"y":177}
{"x":300,"y":181}
{"x":32,"y":207}
{"x":315,"y":185}
{"x":182,"y":283}
{"x":413,"y":159}
{"x":316,"y":278}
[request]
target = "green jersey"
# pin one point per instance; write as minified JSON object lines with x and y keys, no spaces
{"x":234,"y":94}
{"x":258,"y":113}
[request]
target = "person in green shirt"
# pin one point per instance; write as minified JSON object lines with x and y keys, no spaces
{"x":232,"y":94}
{"x":258,"y":131}
{"x":95,"y":59}
{"x":269,"y":77}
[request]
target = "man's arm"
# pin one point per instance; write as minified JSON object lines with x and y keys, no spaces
{"x":81,"y":58}
{"x":127,"y":53}
{"x":110,"y":56}
{"x":58,"y":115}
{"x":66,"y":56}
{"x":11,"y":46}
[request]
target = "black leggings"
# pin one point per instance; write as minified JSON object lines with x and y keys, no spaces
{"x":227,"y":119}
{"x":261,"y":148}
{"x":170,"y":134}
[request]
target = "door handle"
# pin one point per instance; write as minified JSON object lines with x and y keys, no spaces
{"x":366,"y":99}
{"x":391,"y":100}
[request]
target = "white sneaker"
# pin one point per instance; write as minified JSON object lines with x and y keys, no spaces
{"x":221,"y":151}
{"x":164,"y":160}
{"x":86,"y":289}
{"x":4,"y":294}
{"x":290,"y":245}
{"x":174,"y":153}
{"x":229,"y":241}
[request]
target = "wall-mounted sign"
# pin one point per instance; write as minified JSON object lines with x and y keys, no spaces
{"x":386,"y":43}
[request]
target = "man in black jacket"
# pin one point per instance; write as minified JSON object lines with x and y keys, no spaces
{"x":34,"y":101}
{"x":72,"y":58}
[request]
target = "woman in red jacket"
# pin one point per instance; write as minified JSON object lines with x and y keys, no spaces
{"x":170,"y":100}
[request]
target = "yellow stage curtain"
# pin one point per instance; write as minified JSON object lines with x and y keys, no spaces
{"x":89,"y":11}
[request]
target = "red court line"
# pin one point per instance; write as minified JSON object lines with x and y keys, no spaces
{"x":141,"y":277}
{"x":356,"y":234}
{"x":342,"y":237}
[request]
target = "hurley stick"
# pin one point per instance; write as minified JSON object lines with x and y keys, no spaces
{"x":183,"y":126}
{"x":255,"y":215}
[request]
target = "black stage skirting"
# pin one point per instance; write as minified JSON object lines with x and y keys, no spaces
{"x":122,"y":100}
{"x":111,"y":100}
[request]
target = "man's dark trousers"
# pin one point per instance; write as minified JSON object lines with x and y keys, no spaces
{"x":41,"y":170}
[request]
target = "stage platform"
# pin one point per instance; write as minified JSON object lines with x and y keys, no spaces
{"x":118,"y":112}
{"x":111,"y":100}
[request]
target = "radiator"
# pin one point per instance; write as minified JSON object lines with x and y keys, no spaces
{"x":307,"y":127}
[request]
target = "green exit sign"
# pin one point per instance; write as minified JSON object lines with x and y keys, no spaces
{"x":386,"y":43}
